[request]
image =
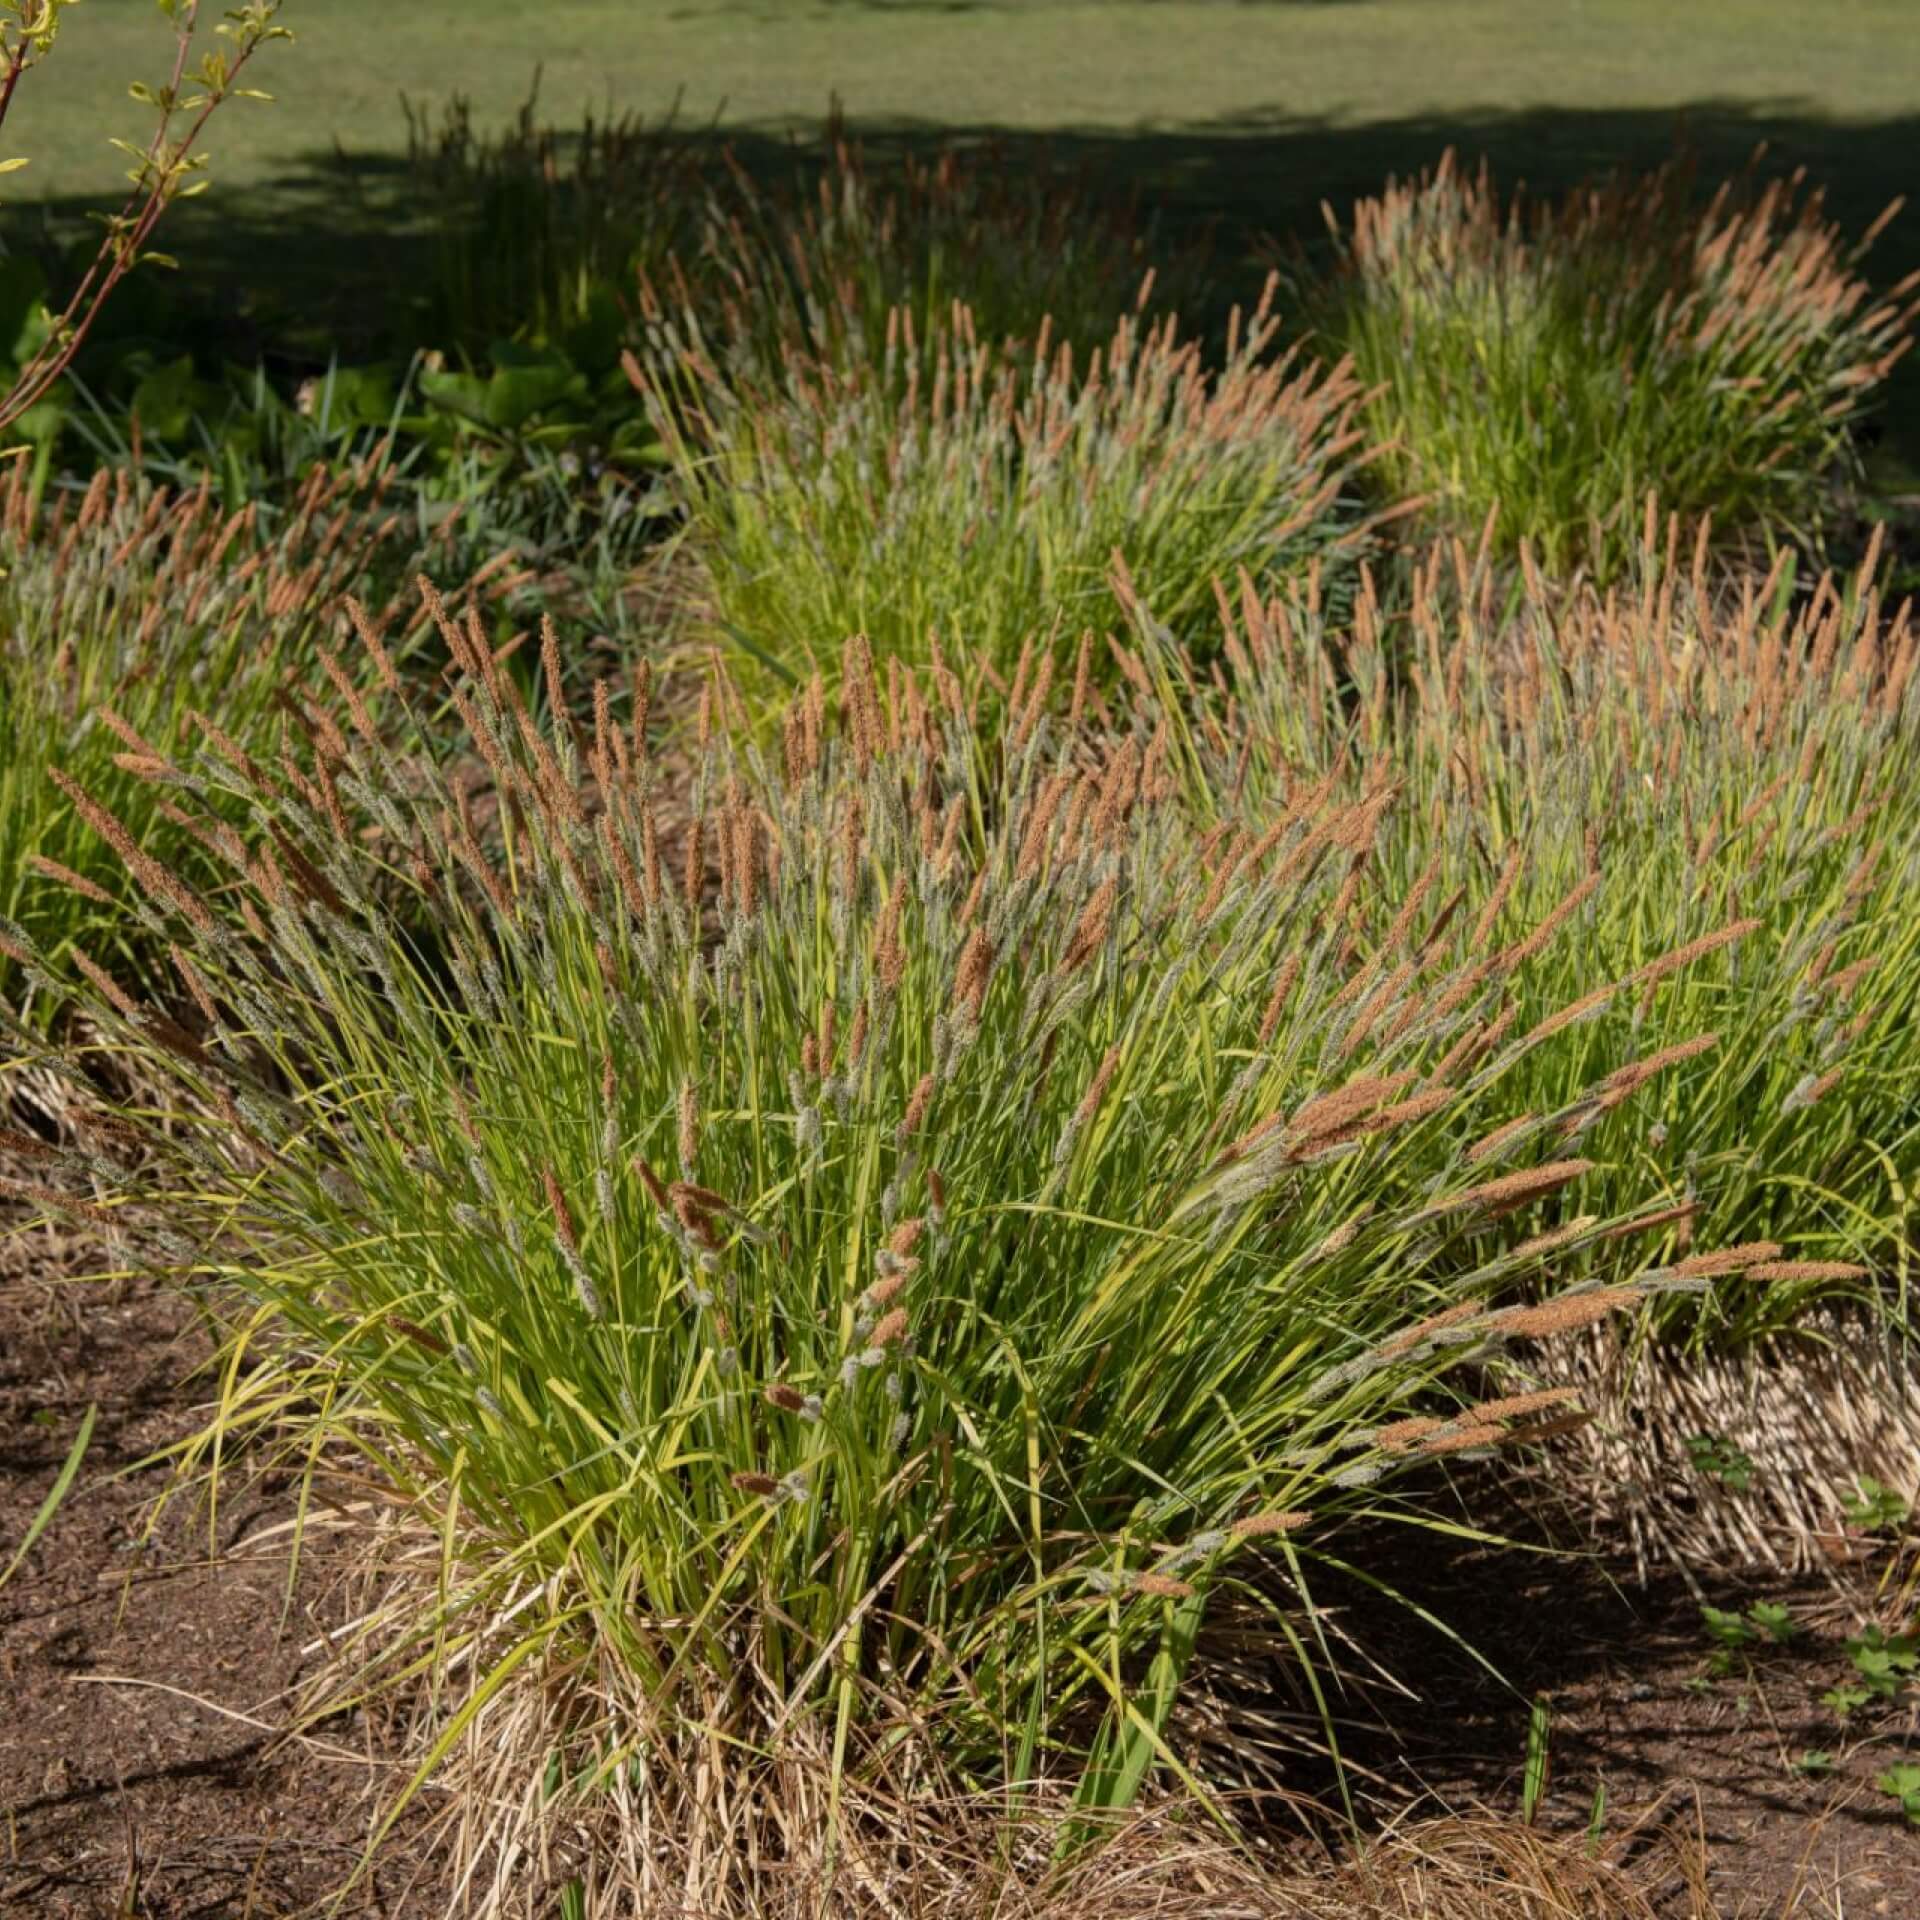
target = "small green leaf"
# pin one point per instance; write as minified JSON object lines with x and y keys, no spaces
{"x":24,"y":321}
{"x":1719,"y":1459}
{"x":1533,"y":1783}
{"x":167,"y":401}
{"x":1902,"y":1783}
{"x":1597,"y":1820}
{"x":1875,"y":1508}
{"x":1728,"y":1628}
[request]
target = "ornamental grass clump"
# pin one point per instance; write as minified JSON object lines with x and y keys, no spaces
{"x":539,"y":235}
{"x":831,"y":265}
{"x":1714,"y":797}
{"x":547,"y":236}
{"x":1559,"y":361}
{"x":122,"y":612}
{"x":842,"y":1265}
{"x":957,"y":489}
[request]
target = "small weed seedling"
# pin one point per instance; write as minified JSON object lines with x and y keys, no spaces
{"x":1881,"y":1663}
{"x":1597,"y":1820}
{"x":1734,"y":1633}
{"x":1902,"y":1783}
{"x":1876,"y":1509}
{"x":1533,"y":1782}
{"x":1843,"y":1702}
{"x":1716,"y":1458}
{"x":1884,"y":1661}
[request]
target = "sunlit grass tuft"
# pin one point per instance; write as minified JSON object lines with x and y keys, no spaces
{"x":1717,"y":790}
{"x":121,"y":613}
{"x":1559,"y":362}
{"x":865,"y":1267}
{"x":949,"y":491}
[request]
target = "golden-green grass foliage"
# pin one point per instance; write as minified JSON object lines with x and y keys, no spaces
{"x":959,"y":489}
{"x":1719,"y":792}
{"x":866,"y":1256}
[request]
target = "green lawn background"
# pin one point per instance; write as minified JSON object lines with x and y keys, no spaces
{"x":1025,"y":64}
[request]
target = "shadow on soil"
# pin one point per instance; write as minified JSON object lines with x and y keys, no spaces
{"x":1643,"y":1729}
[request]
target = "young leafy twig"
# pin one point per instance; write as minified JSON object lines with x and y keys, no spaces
{"x":164,"y":171}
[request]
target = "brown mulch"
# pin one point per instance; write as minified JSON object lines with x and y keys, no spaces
{"x":140,"y":1775}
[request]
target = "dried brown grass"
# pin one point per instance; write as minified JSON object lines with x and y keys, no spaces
{"x":720,"y":1835}
{"x":1814,"y":1408}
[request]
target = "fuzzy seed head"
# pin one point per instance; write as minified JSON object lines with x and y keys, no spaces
{"x":891,"y":1329}
{"x":1516,"y":1406}
{"x":655,"y":1186}
{"x":1461,"y":1438}
{"x":883,"y":1291}
{"x":1527,"y":1184}
{"x":562,"y":1215}
{"x":1728,"y":1259}
{"x":1567,"y":1314}
{"x":917,"y":1105}
{"x":1162,"y":1586}
{"x":1807,"y":1270}
{"x":1261,"y":1526}
{"x":689,"y":1135}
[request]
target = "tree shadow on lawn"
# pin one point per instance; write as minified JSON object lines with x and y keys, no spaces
{"x":333,"y":256}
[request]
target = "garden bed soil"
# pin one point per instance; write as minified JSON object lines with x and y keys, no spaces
{"x":140,"y":1774}
{"x":1637,"y":1706}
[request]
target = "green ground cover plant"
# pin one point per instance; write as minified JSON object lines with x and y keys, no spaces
{"x":855,"y":1270}
{"x":1560,"y":361}
{"x":1715,"y":790}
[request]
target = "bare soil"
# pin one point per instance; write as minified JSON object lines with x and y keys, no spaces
{"x":1651,"y":1723}
{"x":144,"y":1680}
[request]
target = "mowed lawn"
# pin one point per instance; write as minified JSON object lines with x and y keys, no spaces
{"x":1193,"y":66}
